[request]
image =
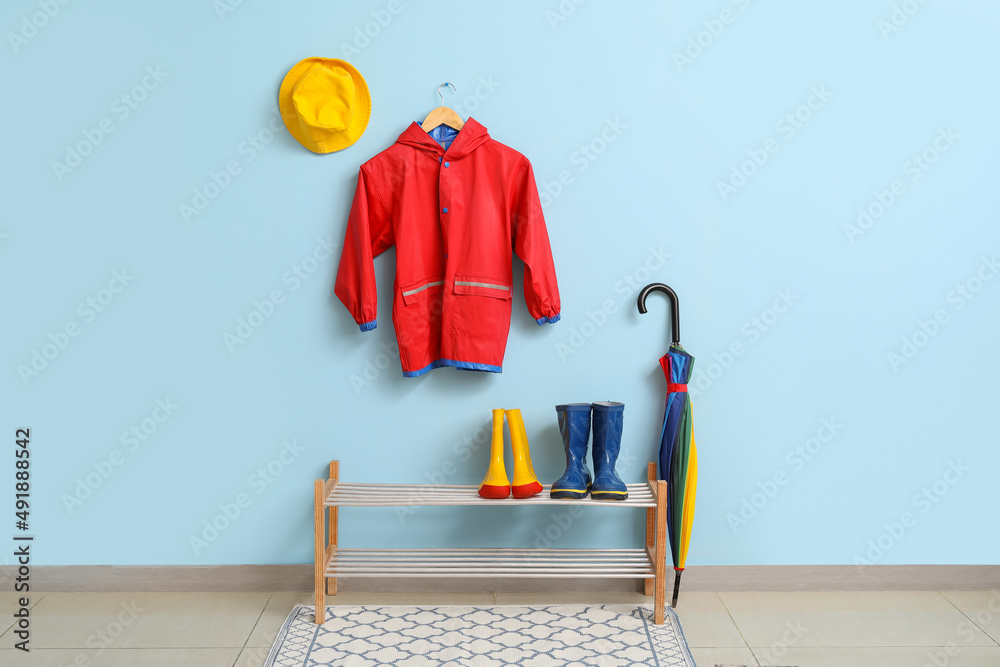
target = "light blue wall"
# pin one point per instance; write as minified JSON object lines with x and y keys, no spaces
{"x":549,"y":77}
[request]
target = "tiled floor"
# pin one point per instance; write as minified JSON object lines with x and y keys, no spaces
{"x":888,"y":629}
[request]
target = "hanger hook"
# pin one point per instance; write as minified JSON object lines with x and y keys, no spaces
{"x":446,"y":83}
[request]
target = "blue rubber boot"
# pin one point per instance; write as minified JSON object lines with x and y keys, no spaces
{"x":574,"y":427}
{"x":608,"y":418}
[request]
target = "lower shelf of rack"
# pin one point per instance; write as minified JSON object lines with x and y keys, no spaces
{"x":517,"y":563}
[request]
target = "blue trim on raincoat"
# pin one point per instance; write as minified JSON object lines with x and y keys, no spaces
{"x":460,"y":365}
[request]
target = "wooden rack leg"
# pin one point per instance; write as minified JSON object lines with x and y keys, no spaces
{"x":650,"y":528}
{"x":660,"y":597}
{"x":320,"y":554}
{"x":331,"y":583}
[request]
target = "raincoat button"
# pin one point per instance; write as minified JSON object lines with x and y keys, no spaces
{"x":447,"y":164}
{"x":444,"y":210}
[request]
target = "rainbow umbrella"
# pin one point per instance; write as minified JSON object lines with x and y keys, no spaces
{"x":678,"y":453}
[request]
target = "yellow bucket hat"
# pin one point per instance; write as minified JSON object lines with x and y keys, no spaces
{"x":325,"y":104}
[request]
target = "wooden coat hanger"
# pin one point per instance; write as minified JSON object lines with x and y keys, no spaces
{"x":443,"y":115}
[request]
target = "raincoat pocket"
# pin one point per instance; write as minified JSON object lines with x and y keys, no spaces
{"x":479,"y":286}
{"x":421,"y":290}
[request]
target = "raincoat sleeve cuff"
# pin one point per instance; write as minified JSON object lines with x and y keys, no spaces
{"x":549,"y":320}
{"x":368,"y":326}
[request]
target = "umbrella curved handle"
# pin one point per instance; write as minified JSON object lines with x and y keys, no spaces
{"x":675,"y":308}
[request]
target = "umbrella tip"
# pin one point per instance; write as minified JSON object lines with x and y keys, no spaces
{"x":677,"y":586}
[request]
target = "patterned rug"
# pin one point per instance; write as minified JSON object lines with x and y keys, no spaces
{"x":515,"y":636}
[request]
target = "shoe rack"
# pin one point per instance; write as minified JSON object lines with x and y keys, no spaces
{"x":333,"y":563}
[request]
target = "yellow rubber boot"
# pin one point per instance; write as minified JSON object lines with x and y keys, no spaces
{"x":496,"y":484}
{"x":525,"y":482}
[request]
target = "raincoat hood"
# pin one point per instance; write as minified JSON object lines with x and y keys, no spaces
{"x":470,"y":137}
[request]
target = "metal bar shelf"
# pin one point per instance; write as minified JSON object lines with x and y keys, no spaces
{"x":630,"y":563}
{"x":413,"y":495}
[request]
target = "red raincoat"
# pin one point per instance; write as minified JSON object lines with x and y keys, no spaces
{"x":455,"y":214}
